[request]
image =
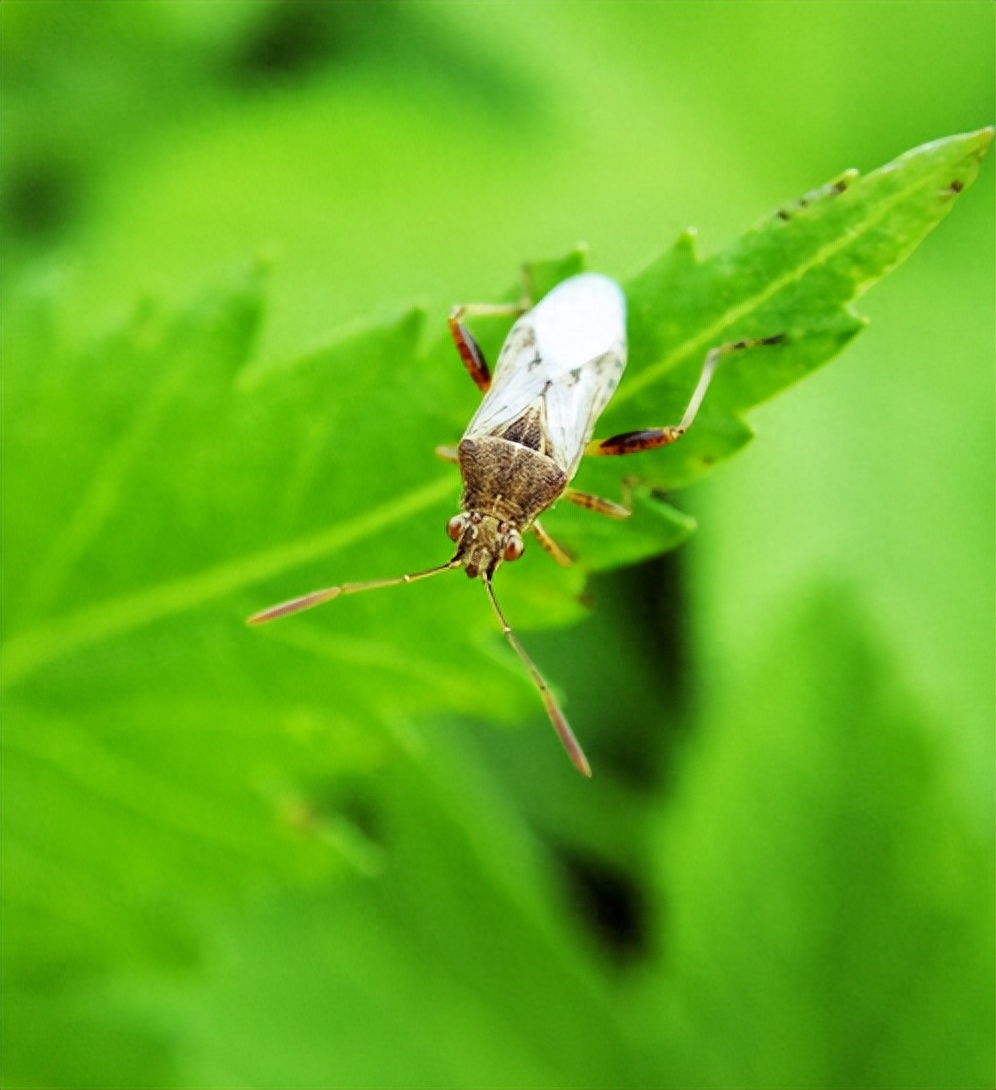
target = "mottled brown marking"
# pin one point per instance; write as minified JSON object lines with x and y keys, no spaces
{"x":506,"y":485}
{"x":529,"y":430}
{"x":508,"y":480}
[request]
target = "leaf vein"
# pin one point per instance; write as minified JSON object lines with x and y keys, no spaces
{"x":712,"y":335}
{"x":102,"y":496}
{"x":28,"y":652}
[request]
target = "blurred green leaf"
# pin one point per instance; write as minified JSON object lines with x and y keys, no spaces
{"x":504,"y":1002}
{"x":160,"y":487}
{"x":827,"y":907}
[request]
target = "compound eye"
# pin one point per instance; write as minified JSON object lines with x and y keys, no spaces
{"x":455,"y":527}
{"x":513,"y":547}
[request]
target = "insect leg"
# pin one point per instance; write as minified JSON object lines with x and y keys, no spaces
{"x":602,"y":506}
{"x":563,"y":558}
{"x":526,"y":280}
{"x":557,"y":718}
{"x":632,"y":442}
{"x":470,"y":352}
{"x":448,"y":454}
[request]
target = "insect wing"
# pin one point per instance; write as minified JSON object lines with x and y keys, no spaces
{"x":581,"y":336}
{"x":574,"y":404}
{"x":580,"y":320}
{"x":569,"y":351}
{"x":518,"y":382}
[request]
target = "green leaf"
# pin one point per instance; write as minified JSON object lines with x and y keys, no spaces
{"x":828,"y":906}
{"x":795,"y":274}
{"x":160,"y":759}
{"x":395,"y":960}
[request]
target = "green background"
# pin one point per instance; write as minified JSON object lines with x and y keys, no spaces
{"x":327,"y":856}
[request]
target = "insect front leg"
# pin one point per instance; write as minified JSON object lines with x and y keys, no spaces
{"x":469,"y":349}
{"x":632,"y":442}
{"x":448,"y":454}
{"x":562,"y":557}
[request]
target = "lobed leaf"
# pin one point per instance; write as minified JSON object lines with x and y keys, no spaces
{"x":160,"y":487}
{"x":796,"y":274}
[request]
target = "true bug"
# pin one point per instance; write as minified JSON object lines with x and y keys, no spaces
{"x":557,"y":370}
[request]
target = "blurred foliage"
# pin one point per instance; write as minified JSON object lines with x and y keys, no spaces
{"x":306,"y":856}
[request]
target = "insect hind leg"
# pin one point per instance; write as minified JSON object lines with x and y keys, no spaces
{"x":632,"y":442}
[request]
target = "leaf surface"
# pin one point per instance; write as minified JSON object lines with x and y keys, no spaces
{"x":828,"y":914}
{"x":159,"y":758}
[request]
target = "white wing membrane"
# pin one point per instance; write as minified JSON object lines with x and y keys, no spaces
{"x":569,"y":352}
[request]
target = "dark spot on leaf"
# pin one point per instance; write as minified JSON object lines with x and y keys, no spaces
{"x":956,"y":186}
{"x":663,"y":590}
{"x":652,"y":599}
{"x":332,"y":802}
{"x":296,"y":37}
{"x":610,"y":902}
{"x":40,"y":199}
{"x":365,"y":815}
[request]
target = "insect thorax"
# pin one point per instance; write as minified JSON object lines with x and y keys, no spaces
{"x":508,"y":480}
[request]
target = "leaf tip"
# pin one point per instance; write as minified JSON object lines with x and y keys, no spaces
{"x":974,"y":146}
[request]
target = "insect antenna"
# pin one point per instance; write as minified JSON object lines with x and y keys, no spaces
{"x":557,"y":718}
{"x":319,"y":597}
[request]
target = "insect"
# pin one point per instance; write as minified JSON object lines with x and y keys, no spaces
{"x":557,"y":370}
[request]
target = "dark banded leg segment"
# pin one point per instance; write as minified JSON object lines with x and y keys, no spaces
{"x":469,"y":349}
{"x":632,"y":442}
